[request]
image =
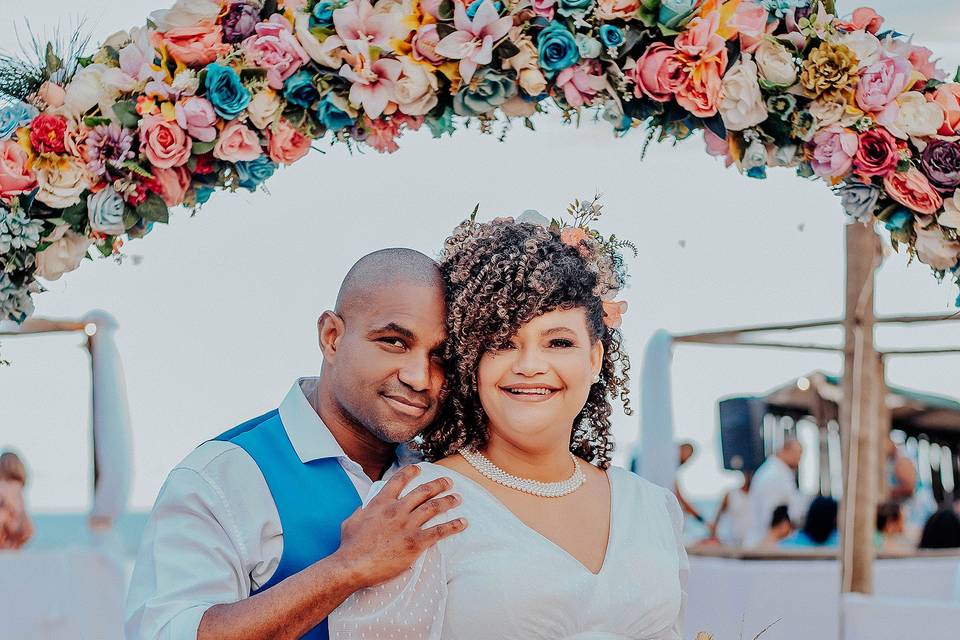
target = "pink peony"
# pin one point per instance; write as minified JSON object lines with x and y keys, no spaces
{"x":274,"y":47}
{"x":920,"y":59}
{"x":195,"y":46}
{"x":913,"y":190}
{"x":659,"y":73}
{"x":882,"y":82}
{"x":171,"y":184}
{"x":164,"y":143}
{"x":948,"y":97}
{"x":197,"y":116}
{"x":287,"y":144}
{"x":237,"y":143}
{"x":834,"y":149}
{"x":16,"y":177}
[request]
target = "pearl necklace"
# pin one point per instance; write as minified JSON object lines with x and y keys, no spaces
{"x":534,"y":487}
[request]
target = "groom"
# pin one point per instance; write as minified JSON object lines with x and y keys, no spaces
{"x":257,"y":533}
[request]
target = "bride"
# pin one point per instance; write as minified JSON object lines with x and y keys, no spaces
{"x":560,"y":544}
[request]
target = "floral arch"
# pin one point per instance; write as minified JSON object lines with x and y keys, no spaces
{"x":216,"y":94}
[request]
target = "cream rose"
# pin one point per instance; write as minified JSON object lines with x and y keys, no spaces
{"x":64,"y":254}
{"x":416,"y":89}
{"x":775,"y":64}
{"x":186,"y":13}
{"x":532,"y":82}
{"x":951,"y":212}
{"x":912,"y":115}
{"x":264,"y":108}
{"x":741,"y":103}
{"x":529,"y":76}
{"x":96,"y":85}
{"x":826,"y":112}
{"x":61,"y":185}
{"x":935,"y":250}
{"x":864,"y":45}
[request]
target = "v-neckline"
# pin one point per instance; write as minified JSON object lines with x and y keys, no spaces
{"x":538,"y":534}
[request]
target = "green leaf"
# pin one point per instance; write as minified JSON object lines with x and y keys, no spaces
{"x":126,"y":112}
{"x":130,"y":217}
{"x":153,"y":209}
{"x":507,"y":49}
{"x":932,"y":84}
{"x":473,"y":215}
{"x":956,"y":78}
{"x":94,"y":121}
{"x":444,"y":29}
{"x":528,"y":123}
{"x":53,"y":61}
{"x":200,"y":148}
{"x":130,"y":165}
{"x":269,"y":8}
{"x":75,"y":215}
{"x":105,"y":248}
{"x":445,"y":10}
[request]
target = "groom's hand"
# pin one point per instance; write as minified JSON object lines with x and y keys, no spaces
{"x":387,"y":536}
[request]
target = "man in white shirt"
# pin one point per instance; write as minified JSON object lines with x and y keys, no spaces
{"x":774,"y":484}
{"x":252,"y":535}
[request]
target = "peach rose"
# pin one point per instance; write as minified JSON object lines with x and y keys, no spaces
{"x":287,"y":145}
{"x":913,"y":190}
{"x":700,"y":94}
{"x":164,"y":143}
{"x":948,"y":97}
{"x":171,"y":184}
{"x":15,"y":174}
{"x":195,"y":46}
{"x":613,"y":9}
{"x":237,"y":142}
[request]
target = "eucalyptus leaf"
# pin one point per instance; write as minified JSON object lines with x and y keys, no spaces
{"x":94,"y":121}
{"x":126,"y":112}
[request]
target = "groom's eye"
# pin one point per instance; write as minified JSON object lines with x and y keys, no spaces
{"x":393,"y":342}
{"x":561,"y":343}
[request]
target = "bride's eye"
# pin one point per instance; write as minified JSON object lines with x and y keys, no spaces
{"x":561,"y":343}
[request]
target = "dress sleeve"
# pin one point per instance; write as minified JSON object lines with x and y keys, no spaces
{"x":675,"y":631}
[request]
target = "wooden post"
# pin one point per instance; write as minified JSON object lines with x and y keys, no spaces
{"x":859,"y":412}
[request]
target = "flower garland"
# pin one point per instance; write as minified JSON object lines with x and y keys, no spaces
{"x":216,"y":94}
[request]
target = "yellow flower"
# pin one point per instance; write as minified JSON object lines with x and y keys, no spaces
{"x":830,"y":72}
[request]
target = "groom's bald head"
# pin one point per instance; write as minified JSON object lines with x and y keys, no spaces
{"x":382,"y":346}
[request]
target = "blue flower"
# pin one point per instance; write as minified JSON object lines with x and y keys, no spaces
{"x":783,"y":7}
{"x":589,"y":48}
{"x":299,"y":89}
{"x":676,"y":13}
{"x":322,"y":15}
{"x":13,"y":116}
{"x":105,"y":209}
{"x":859,"y":200}
{"x":331,"y":116}
{"x":250,"y":174}
{"x":570,"y":8}
{"x":558,"y":48}
{"x":488,"y":90}
{"x":225,"y":91}
{"x":611,"y":36}
{"x":899,"y":221}
{"x":473,"y":6}
{"x":440,"y":125}
{"x":203,"y":195}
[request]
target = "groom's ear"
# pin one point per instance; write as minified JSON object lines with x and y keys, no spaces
{"x":330,"y":328}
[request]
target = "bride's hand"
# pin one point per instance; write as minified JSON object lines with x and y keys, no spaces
{"x":386,"y":537}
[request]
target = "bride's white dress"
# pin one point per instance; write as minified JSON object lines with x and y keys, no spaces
{"x":501,"y":579}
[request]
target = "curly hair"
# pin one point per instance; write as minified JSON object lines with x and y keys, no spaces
{"x":499,"y":276}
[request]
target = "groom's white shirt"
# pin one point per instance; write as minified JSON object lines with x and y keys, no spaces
{"x":214,"y":534}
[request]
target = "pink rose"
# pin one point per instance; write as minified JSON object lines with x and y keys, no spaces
{"x":424,"y":44}
{"x":237,"y":142}
{"x":659,"y":73}
{"x":274,"y":47}
{"x":750,"y":21}
{"x":913,"y":190}
{"x":581,"y":83}
{"x":717,"y":147}
{"x":15,"y":174}
{"x":867,"y":19}
{"x":171,"y":184}
{"x":287,"y":145}
{"x":164,"y":143}
{"x":834,"y":149}
{"x":920,"y":59}
{"x":195,"y":46}
{"x":545,"y":8}
{"x":882,"y":82}
{"x":700,"y":94}
{"x":878,"y":153}
{"x":701,"y":41}
{"x":948,"y":97}
{"x":197,"y":116}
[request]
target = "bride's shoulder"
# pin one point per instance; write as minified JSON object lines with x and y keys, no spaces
{"x":631,"y":483}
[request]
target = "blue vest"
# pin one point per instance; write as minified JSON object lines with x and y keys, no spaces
{"x":313,"y":498}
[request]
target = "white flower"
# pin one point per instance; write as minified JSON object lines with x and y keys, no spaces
{"x":61,"y":185}
{"x":186,"y":83}
{"x":264,"y":108}
{"x":912,"y":115}
{"x":96,"y":85}
{"x":775,"y":64}
{"x":864,"y":45}
{"x":415,"y":89}
{"x":785,"y":156}
{"x":951,"y":212}
{"x":935,"y":250}
{"x":64,"y":254}
{"x":755,"y":156}
{"x":328,"y":53}
{"x":741,"y":103}
{"x":186,"y":13}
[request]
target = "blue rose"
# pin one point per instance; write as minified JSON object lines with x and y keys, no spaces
{"x":558,"y":48}
{"x":331,"y":116}
{"x":299,"y":89}
{"x":859,"y":200}
{"x":250,"y":174}
{"x":611,"y":36}
{"x":322,"y":15}
{"x":225,"y":91}
{"x":676,"y":13}
{"x":574,"y":7}
{"x":899,"y":221}
{"x":203,"y":195}
{"x":473,"y":6}
{"x":13,"y":116}
{"x":105,"y":210}
{"x":488,"y":90}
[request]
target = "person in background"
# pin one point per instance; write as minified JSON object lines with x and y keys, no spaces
{"x":891,"y":525}
{"x":774,"y":484}
{"x":686,"y":451}
{"x":732,"y":522}
{"x":820,"y":527}
{"x":942,"y":530}
{"x":901,"y":474}
{"x":780,"y":528}
{"x":15,"y":526}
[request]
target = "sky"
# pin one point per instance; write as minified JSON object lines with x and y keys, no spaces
{"x":218,"y":311}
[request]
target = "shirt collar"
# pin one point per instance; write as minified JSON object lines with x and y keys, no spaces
{"x":311,"y":439}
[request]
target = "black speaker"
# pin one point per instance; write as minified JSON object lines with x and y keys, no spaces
{"x":741,"y":433}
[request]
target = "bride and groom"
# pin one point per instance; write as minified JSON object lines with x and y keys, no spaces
{"x":497,"y":367}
